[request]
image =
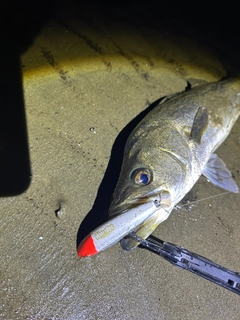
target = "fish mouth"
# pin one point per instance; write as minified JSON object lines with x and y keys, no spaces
{"x":122,"y":207}
{"x":161,"y":198}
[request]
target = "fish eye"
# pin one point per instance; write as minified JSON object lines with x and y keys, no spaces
{"x":141,"y":176}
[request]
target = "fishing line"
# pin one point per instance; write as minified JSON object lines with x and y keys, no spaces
{"x":216,"y":195}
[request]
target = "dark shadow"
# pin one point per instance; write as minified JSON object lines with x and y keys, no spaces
{"x":99,"y":212}
{"x":14,"y":155}
{"x":19,"y":24}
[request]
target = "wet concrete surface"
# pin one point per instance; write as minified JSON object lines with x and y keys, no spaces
{"x":88,"y":74}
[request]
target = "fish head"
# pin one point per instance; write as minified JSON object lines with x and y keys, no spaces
{"x":148,"y":174}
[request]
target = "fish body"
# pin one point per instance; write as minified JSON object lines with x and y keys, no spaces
{"x":172,"y":147}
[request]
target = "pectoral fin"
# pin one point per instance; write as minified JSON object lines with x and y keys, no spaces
{"x":199,"y":124}
{"x":217,"y":172}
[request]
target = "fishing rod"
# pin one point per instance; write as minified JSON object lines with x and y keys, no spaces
{"x":185,"y":259}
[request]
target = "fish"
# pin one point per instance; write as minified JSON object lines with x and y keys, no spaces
{"x":172,"y":147}
{"x":164,"y":156}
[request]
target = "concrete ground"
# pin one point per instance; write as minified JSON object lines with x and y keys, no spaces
{"x":87,"y":74}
